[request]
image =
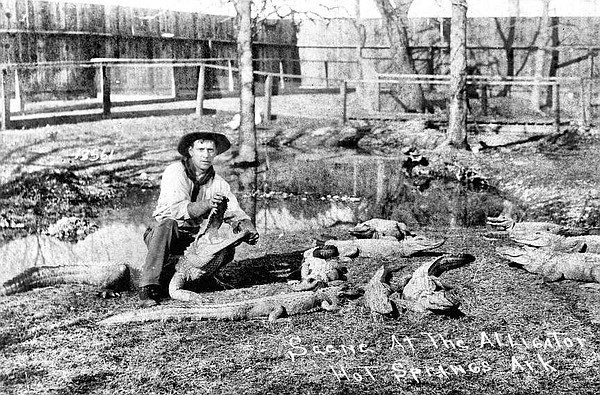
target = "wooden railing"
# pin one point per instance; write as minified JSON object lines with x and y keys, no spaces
{"x":102,"y":66}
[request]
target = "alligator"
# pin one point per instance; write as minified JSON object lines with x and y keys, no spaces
{"x":378,"y":228}
{"x":421,"y":292}
{"x":204,"y":257}
{"x":320,"y":266}
{"x":424,"y":292}
{"x":378,"y":291}
{"x":385,"y":248}
{"x":554,"y":242}
{"x":553,"y":265}
{"x":273,"y":307}
{"x":505,"y":227}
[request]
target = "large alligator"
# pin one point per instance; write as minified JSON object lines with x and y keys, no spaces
{"x":422,"y":292}
{"x":505,"y":227}
{"x":555,"y":242}
{"x":385,"y":248}
{"x":377,"y":228}
{"x":204,"y":257}
{"x":553,"y":265}
{"x":273,"y":307}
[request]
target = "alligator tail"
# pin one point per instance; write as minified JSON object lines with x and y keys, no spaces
{"x":163,"y":313}
{"x":108,"y":276}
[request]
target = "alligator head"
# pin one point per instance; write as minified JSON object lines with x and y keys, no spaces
{"x":500,"y":223}
{"x":517,"y":256}
{"x":415,"y":244}
{"x":528,"y":258}
{"x":378,"y":228}
{"x":209,"y":252}
{"x":362,"y":231}
{"x":425,"y":292}
{"x":550,"y":241}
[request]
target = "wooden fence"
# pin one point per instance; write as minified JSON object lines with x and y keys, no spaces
{"x":104,"y":67}
{"x":39,"y":32}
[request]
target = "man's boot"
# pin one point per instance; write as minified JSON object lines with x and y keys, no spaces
{"x":149,"y":295}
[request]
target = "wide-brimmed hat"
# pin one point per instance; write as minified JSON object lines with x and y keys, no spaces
{"x":221,"y":142}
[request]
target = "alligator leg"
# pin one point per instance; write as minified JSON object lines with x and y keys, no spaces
{"x":177,"y":292}
{"x":278,"y":312}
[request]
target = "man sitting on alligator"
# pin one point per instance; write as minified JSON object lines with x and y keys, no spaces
{"x":189,"y":191}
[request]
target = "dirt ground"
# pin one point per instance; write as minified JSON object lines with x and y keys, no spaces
{"x":51,"y":343}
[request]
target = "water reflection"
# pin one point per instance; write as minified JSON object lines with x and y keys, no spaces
{"x":384,"y":190}
{"x":292,"y":215}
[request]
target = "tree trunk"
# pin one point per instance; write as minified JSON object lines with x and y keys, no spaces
{"x":247,"y":159}
{"x":540,"y":57}
{"x":554,"y":59}
{"x":457,"y":122}
{"x":247,"y":130}
{"x":409,"y":96}
{"x":508,"y":40}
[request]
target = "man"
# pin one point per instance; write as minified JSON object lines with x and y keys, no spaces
{"x":189,"y":189}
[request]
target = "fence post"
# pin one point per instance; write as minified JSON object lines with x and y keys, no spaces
{"x":583,"y":101}
{"x":344,"y":98}
{"x":200,"y":91}
{"x":230,"y":75}
{"x":173,"y":83}
{"x":326,"y":64}
{"x":268,"y":93}
{"x":556,"y":106}
{"x":4,"y":100}
{"x":18,"y":96}
{"x":105,"y":88}
{"x":380,"y":181}
{"x":378,"y":93}
{"x":355,"y":178}
{"x":484,"y":99}
{"x":281,"y":78}
{"x":588,"y":102}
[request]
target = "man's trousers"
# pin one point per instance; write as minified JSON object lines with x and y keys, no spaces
{"x":162,"y":240}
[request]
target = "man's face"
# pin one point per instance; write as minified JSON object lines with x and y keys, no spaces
{"x":202,"y":153}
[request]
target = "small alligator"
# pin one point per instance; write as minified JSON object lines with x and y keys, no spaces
{"x":320,"y":266}
{"x":553,"y":265}
{"x":273,"y":307}
{"x":385,"y":248}
{"x":204,"y":257}
{"x":554,"y":242}
{"x":378,"y":228}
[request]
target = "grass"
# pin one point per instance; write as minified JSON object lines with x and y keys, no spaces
{"x":50,"y":342}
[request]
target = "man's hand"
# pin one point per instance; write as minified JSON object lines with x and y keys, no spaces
{"x":202,"y":207}
{"x":246,"y":225}
{"x":216,"y":199}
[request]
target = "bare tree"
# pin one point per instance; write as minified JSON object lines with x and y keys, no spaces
{"x":540,"y":55}
{"x":457,"y":118}
{"x":396,"y":21}
{"x":247,"y":129}
{"x":507,"y":42}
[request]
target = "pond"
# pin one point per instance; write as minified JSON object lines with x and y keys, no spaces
{"x":294,"y":196}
